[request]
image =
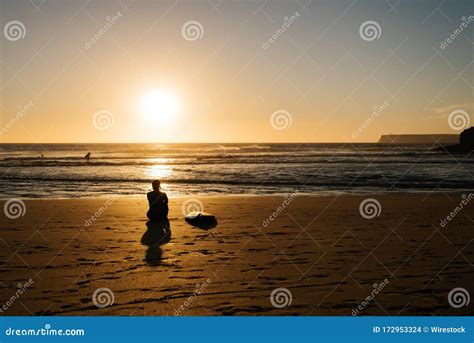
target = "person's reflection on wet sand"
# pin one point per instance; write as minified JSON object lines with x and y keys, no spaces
{"x":158,"y":233}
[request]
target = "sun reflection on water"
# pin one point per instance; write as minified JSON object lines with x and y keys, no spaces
{"x":158,"y":171}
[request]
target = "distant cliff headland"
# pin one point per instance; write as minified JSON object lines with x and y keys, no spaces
{"x":419,"y":139}
{"x":462,"y":143}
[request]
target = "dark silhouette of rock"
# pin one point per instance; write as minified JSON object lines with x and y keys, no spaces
{"x":467,"y":138}
{"x":466,"y":143}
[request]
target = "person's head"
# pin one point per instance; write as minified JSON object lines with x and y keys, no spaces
{"x":156,"y":185}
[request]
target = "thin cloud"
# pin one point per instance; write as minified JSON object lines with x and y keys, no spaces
{"x":444,"y":111}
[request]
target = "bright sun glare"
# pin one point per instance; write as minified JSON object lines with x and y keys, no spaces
{"x":159,"y":104}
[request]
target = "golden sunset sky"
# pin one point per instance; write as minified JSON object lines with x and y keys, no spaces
{"x":199,"y":71}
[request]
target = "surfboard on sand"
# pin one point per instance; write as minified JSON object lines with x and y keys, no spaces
{"x":202,"y":220}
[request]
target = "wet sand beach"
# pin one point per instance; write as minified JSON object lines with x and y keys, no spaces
{"x":318,"y":255}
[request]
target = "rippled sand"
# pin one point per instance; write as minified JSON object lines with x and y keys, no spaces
{"x":319,"y":248}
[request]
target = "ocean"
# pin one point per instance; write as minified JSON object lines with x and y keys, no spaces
{"x":61,"y":171}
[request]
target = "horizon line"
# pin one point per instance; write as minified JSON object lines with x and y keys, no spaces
{"x":290,"y":142}
{"x":187,"y":142}
{"x":165,"y":143}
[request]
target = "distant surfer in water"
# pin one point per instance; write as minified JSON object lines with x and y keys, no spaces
{"x":158,"y":202}
{"x":88,"y":156}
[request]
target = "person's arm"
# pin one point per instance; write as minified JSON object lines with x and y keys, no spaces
{"x":148,"y":196}
{"x":165,"y":201}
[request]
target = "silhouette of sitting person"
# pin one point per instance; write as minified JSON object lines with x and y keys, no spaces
{"x":158,"y":202}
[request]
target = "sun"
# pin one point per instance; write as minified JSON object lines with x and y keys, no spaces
{"x":159,"y":104}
